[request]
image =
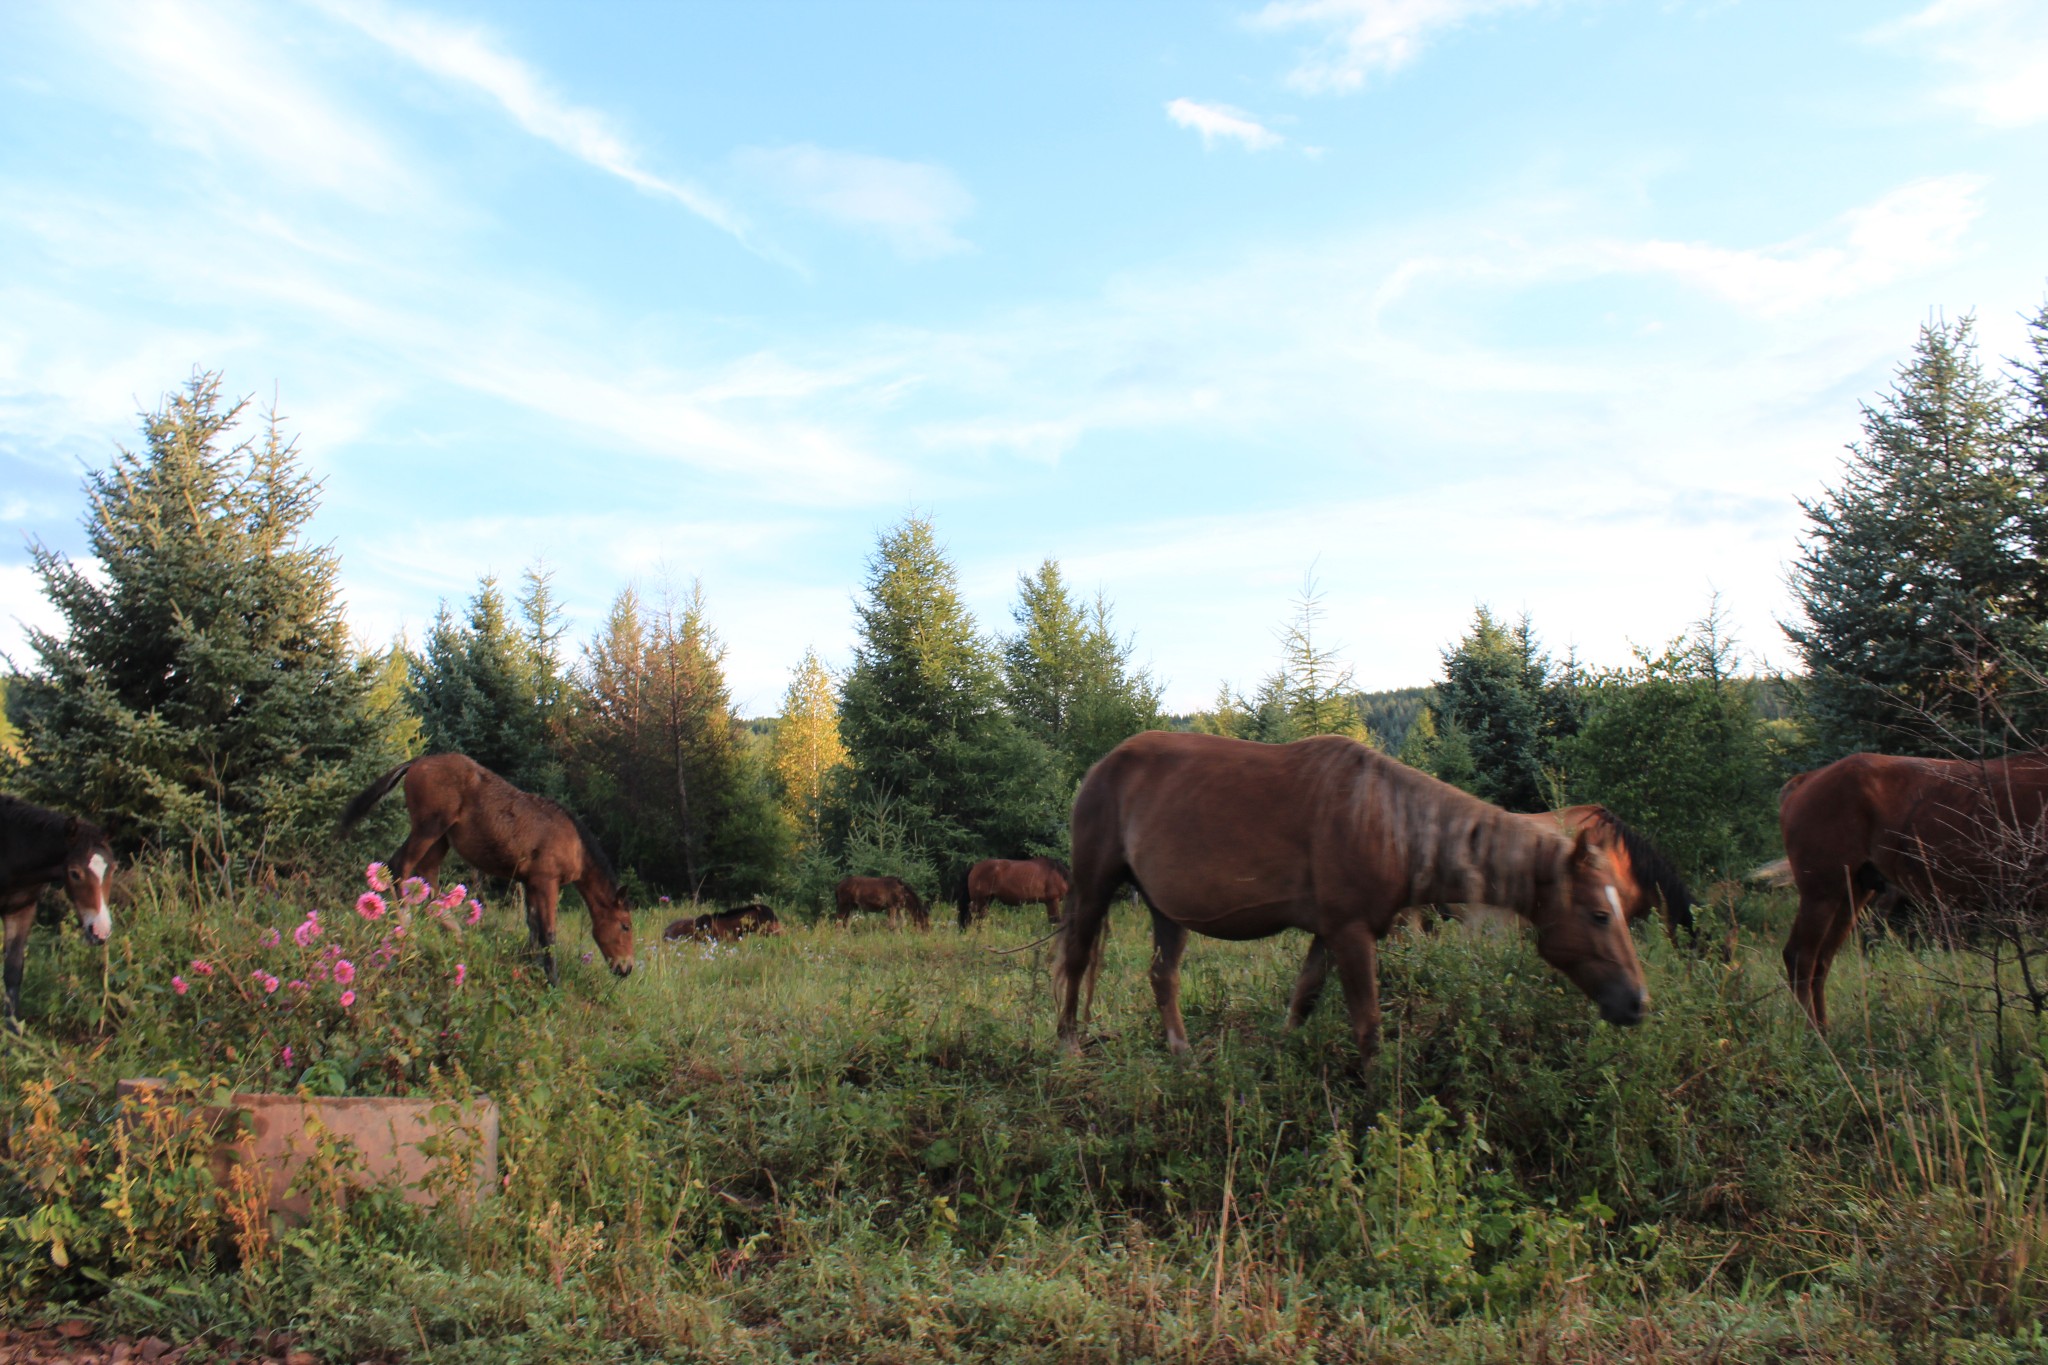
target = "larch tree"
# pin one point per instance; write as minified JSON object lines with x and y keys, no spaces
{"x":807,"y":750}
{"x":202,"y":694}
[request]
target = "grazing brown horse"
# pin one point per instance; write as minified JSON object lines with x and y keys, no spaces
{"x":723,"y":925}
{"x":1937,"y":830}
{"x":38,"y":848}
{"x":504,"y":832}
{"x":1239,"y":841}
{"x":891,"y":894}
{"x":1014,"y":881}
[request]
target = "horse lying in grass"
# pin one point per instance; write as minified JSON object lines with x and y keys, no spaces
{"x":724,"y":925}
{"x":1014,"y":881}
{"x":39,"y":848}
{"x":891,"y":895}
{"x":1942,"y":832}
{"x":502,"y":831}
{"x":1240,"y":841}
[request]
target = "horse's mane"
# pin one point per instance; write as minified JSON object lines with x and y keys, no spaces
{"x":52,"y":824}
{"x":1651,"y":867}
{"x":592,"y":849}
{"x":1455,"y":846}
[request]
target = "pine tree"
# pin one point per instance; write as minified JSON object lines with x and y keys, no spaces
{"x":923,"y":723}
{"x":1921,"y":580}
{"x":203,"y":695}
{"x":1501,"y":710}
{"x":478,"y":690}
{"x":1314,"y":682}
{"x":1068,"y":677}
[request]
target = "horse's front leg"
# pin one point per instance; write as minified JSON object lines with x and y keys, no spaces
{"x":1169,"y":942}
{"x":19,"y":922}
{"x":1356,"y":951}
{"x":541,"y":897}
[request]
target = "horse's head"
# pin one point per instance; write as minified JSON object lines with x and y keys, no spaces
{"x":1581,"y":931}
{"x":611,"y":924}
{"x":88,"y":868}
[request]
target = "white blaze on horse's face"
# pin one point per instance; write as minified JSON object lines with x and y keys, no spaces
{"x":1613,"y":899}
{"x":98,"y":925}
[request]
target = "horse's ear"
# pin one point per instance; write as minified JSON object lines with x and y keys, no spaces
{"x":1580,"y":845}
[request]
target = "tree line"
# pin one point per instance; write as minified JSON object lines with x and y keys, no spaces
{"x":203,"y":696}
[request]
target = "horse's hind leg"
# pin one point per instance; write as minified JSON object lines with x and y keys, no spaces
{"x":19,"y":922}
{"x":1077,"y":957}
{"x":1823,"y":922}
{"x":1308,"y":987}
{"x":541,"y":898}
{"x":1169,"y":941}
{"x":421,"y":853}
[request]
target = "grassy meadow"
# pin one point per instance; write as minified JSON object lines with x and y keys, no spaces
{"x":859,"y":1145}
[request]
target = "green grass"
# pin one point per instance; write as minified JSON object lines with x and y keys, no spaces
{"x":862,"y":1145}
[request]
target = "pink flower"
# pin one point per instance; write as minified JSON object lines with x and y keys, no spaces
{"x":476,"y":912}
{"x":452,"y":897}
{"x":270,"y":938}
{"x":347,"y":998}
{"x":298,"y":985}
{"x":201,"y":967}
{"x":179,"y":984}
{"x":378,"y":876}
{"x":413,"y":891}
{"x":270,"y":984}
{"x":400,"y":932}
{"x":664,"y":900}
{"x":284,"y":1055}
{"x":344,"y":972}
{"x":370,"y":905}
{"x":461,"y":972}
{"x":308,"y":931}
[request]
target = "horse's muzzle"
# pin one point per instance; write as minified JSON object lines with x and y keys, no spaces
{"x":621,"y":968}
{"x":1622,"y":1003}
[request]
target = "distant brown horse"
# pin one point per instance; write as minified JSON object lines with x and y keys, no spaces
{"x":504,"y":832}
{"x":890,"y":894}
{"x":723,"y":925}
{"x":1014,"y":881}
{"x":40,"y":848}
{"x":1940,"y":831}
{"x":1239,"y":841}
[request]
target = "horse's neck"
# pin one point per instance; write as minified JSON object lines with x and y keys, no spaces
{"x":1496,"y":873}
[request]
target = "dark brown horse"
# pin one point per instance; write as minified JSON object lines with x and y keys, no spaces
{"x":1239,"y":841}
{"x":504,"y":832}
{"x":39,"y":848}
{"x":890,"y":894}
{"x":724,"y":925}
{"x":1944,"y":832}
{"x":1014,"y":881}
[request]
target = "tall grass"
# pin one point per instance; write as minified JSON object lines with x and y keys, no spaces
{"x":862,"y":1145}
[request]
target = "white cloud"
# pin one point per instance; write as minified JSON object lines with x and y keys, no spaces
{"x":2001,"y":47}
{"x":914,"y":205}
{"x":1215,"y":121}
{"x":219,"y":91}
{"x":1365,"y":38}
{"x":468,"y":56}
{"x":1911,"y":229}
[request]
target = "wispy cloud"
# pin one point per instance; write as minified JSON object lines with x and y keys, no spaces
{"x":469,"y":56}
{"x":913,"y":205}
{"x":216,"y":90}
{"x":2001,"y":47}
{"x":1912,"y":228}
{"x":1366,"y":38}
{"x":1214,"y":121}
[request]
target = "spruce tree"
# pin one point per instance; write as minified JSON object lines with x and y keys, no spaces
{"x":1068,"y":676}
{"x":203,"y":695}
{"x":1920,"y":580}
{"x":1501,"y":710}
{"x":478,"y":689}
{"x":925,"y":730}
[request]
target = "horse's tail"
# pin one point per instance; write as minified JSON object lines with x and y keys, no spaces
{"x":367,"y":799}
{"x":1069,"y":925}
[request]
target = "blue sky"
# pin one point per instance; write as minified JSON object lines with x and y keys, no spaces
{"x":1554,"y":306}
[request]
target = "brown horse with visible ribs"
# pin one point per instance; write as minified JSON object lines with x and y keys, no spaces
{"x":1014,"y":881}
{"x":892,"y":895}
{"x":1240,"y":841}
{"x":40,"y":848}
{"x":456,"y":802}
{"x":1940,"y":831}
